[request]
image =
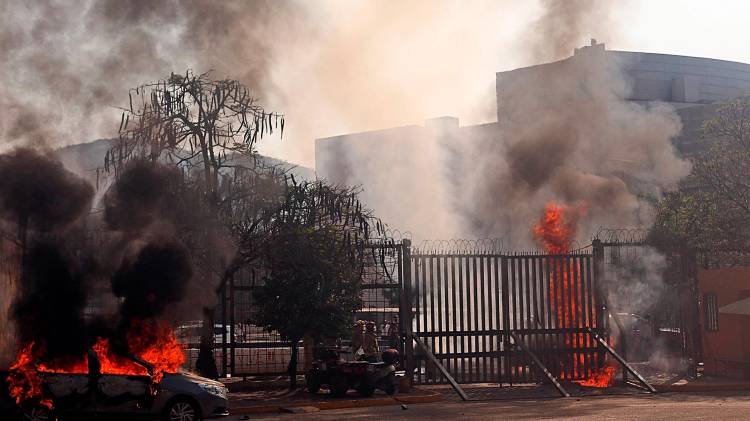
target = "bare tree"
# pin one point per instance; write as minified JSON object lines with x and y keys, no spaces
{"x":208,"y":129}
{"x":193,"y":121}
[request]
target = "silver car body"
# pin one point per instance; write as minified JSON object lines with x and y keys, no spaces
{"x":135,"y":395}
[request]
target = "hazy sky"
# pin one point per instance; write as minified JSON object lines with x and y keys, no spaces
{"x":331,"y":66}
{"x":447,"y":61}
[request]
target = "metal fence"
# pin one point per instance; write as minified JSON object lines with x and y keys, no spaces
{"x":244,"y":349}
{"x":467,"y":305}
{"x":632,"y":265}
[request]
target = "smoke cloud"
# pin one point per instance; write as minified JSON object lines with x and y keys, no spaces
{"x":50,"y":305}
{"x":564,"y":133}
{"x":66,"y":66}
{"x":153,"y":280}
{"x":564,"y":25}
{"x":582,"y":145}
{"x":42,"y":203}
{"x":330,"y":66}
{"x":37,"y":190}
{"x":64,"y":265}
{"x":135,"y":201}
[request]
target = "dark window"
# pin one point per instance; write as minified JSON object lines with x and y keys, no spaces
{"x":711,"y":306}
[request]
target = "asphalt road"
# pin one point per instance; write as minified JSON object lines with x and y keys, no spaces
{"x":672,"y":406}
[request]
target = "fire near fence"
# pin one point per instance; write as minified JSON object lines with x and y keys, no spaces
{"x":470,"y":307}
{"x":466,"y":306}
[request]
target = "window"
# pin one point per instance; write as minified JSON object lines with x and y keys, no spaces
{"x":711,"y":306}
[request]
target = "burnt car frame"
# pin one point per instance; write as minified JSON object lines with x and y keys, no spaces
{"x":178,"y":396}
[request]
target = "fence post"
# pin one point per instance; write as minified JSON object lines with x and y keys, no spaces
{"x":232,"y":325}
{"x":601,"y":313}
{"x":406,"y":307}
{"x":224,"y":362}
{"x":506,"y":320}
{"x":696,"y":353}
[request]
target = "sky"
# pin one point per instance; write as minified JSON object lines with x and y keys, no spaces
{"x":330,"y":66}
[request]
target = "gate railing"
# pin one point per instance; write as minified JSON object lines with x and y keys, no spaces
{"x":466,"y":307}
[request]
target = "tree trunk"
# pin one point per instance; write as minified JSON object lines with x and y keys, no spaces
{"x":292,"y":369}
{"x":309,"y":346}
{"x":206,"y":363}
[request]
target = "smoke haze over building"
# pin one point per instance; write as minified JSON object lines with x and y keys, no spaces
{"x":331,"y":67}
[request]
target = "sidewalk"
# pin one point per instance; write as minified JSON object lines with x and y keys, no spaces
{"x":702,"y":384}
{"x":271,"y":395}
{"x":282,"y":400}
{"x":666,"y":381}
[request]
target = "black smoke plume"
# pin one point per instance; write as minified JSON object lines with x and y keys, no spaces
{"x":36,"y":190}
{"x":44,"y":201}
{"x":152,"y":280}
{"x":134,"y":201}
{"x":129,"y":251}
{"x":145,"y":207}
{"x":51,"y":300}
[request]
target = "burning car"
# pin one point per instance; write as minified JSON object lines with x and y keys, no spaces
{"x":176,"y":396}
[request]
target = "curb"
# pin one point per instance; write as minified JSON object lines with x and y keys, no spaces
{"x":339,"y":404}
{"x":701,"y":387}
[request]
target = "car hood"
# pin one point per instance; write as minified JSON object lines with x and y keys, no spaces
{"x":190,"y":377}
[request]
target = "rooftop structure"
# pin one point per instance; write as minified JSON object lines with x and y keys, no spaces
{"x":691,"y":85}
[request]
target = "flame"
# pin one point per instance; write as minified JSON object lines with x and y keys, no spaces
{"x":151,"y":341}
{"x":156,"y":343}
{"x":605,"y":377}
{"x":24,"y":381}
{"x":555,"y":231}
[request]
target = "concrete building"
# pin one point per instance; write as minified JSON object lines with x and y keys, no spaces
{"x":693,"y":86}
{"x":680,"y":81}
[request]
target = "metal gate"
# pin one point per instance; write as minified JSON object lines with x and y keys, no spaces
{"x":672,"y":312}
{"x":242,"y":348}
{"x":473,"y":308}
{"x":481,"y":312}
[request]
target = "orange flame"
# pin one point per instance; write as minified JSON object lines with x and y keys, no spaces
{"x":555,"y":231}
{"x":151,"y":341}
{"x":605,"y":377}
{"x":24,"y":381}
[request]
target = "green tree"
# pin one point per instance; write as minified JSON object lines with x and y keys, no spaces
{"x":313,"y":259}
{"x":711,"y":211}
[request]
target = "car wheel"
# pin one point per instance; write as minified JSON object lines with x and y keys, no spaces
{"x":182,"y":410}
{"x":312,"y":381}
{"x":37,"y":413}
{"x":339,"y":385}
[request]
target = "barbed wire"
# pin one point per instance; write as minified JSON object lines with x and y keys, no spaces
{"x":460,"y":246}
{"x":390,"y":236}
{"x":633,"y":235}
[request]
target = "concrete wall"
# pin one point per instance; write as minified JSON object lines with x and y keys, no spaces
{"x":682,"y":79}
{"x":727,"y":350}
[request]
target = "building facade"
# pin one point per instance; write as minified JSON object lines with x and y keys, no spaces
{"x":389,"y":164}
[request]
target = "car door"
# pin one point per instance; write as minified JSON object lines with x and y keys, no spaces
{"x":123,"y":393}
